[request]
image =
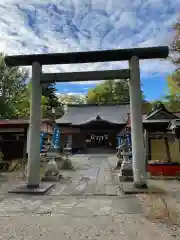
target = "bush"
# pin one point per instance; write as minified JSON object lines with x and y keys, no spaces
{"x":14,"y":166}
{"x":1,"y":156}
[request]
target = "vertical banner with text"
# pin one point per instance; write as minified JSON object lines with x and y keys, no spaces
{"x":42,"y":135}
{"x":119,"y":140}
{"x":56,"y":137}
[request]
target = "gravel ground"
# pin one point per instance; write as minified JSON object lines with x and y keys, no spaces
{"x":74,"y":218}
{"x":84,"y":205}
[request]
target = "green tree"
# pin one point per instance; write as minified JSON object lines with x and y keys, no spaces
{"x":147,"y":106}
{"x":15,"y":91}
{"x":115,"y":92}
{"x":174,"y":89}
{"x":176,"y":51}
{"x":12,"y":89}
{"x":176,"y":44}
{"x":23,"y":110}
{"x":54,"y":106}
{"x":172,"y":99}
{"x":110,"y":91}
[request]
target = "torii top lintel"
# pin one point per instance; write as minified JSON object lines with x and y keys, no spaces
{"x":88,"y":57}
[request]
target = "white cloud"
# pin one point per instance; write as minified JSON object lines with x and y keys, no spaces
{"x":70,"y":94}
{"x":37,"y":26}
{"x":71,"y":97}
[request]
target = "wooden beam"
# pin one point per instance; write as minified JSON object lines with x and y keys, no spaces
{"x":85,"y":76}
{"x":88,"y":57}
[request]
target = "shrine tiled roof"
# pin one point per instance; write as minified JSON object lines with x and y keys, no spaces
{"x":162,"y":119}
{"x":79,"y":114}
{"x":20,"y":121}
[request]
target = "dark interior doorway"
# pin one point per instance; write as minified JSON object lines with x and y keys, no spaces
{"x":12,"y":149}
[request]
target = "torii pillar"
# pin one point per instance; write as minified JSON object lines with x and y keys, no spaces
{"x":138,"y":152}
{"x":33,"y":170}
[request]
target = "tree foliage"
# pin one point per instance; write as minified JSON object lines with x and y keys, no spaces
{"x":110,"y":91}
{"x":49,"y":91}
{"x":54,"y":106}
{"x":25,"y":105}
{"x":176,"y":51}
{"x":176,"y":44}
{"x":173,"y":97}
{"x":113,"y":92}
{"x":174,"y":89}
{"x":12,"y":90}
{"x":172,"y":100}
{"x":15,"y":93}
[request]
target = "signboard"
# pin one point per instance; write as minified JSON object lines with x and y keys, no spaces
{"x":42,"y":135}
{"x":56,"y":137}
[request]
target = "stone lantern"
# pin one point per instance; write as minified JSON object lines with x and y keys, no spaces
{"x":119,"y":155}
{"x":67,"y":151}
{"x":174,"y":126}
{"x":67,"y":162}
{"x":126,"y":170}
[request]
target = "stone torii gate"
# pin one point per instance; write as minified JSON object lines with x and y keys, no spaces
{"x":133,"y":74}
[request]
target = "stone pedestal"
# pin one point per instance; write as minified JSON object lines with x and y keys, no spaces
{"x":119,"y":157}
{"x":51,"y":172}
{"x":51,"y":178}
{"x":126,"y":171}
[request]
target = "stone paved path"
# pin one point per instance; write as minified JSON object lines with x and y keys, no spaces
{"x":86,"y":204}
{"x":93,"y":177}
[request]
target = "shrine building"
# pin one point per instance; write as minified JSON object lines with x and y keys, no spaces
{"x":93,"y":128}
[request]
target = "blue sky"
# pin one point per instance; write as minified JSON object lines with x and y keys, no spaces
{"x":43,"y":26}
{"x":153,"y":88}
